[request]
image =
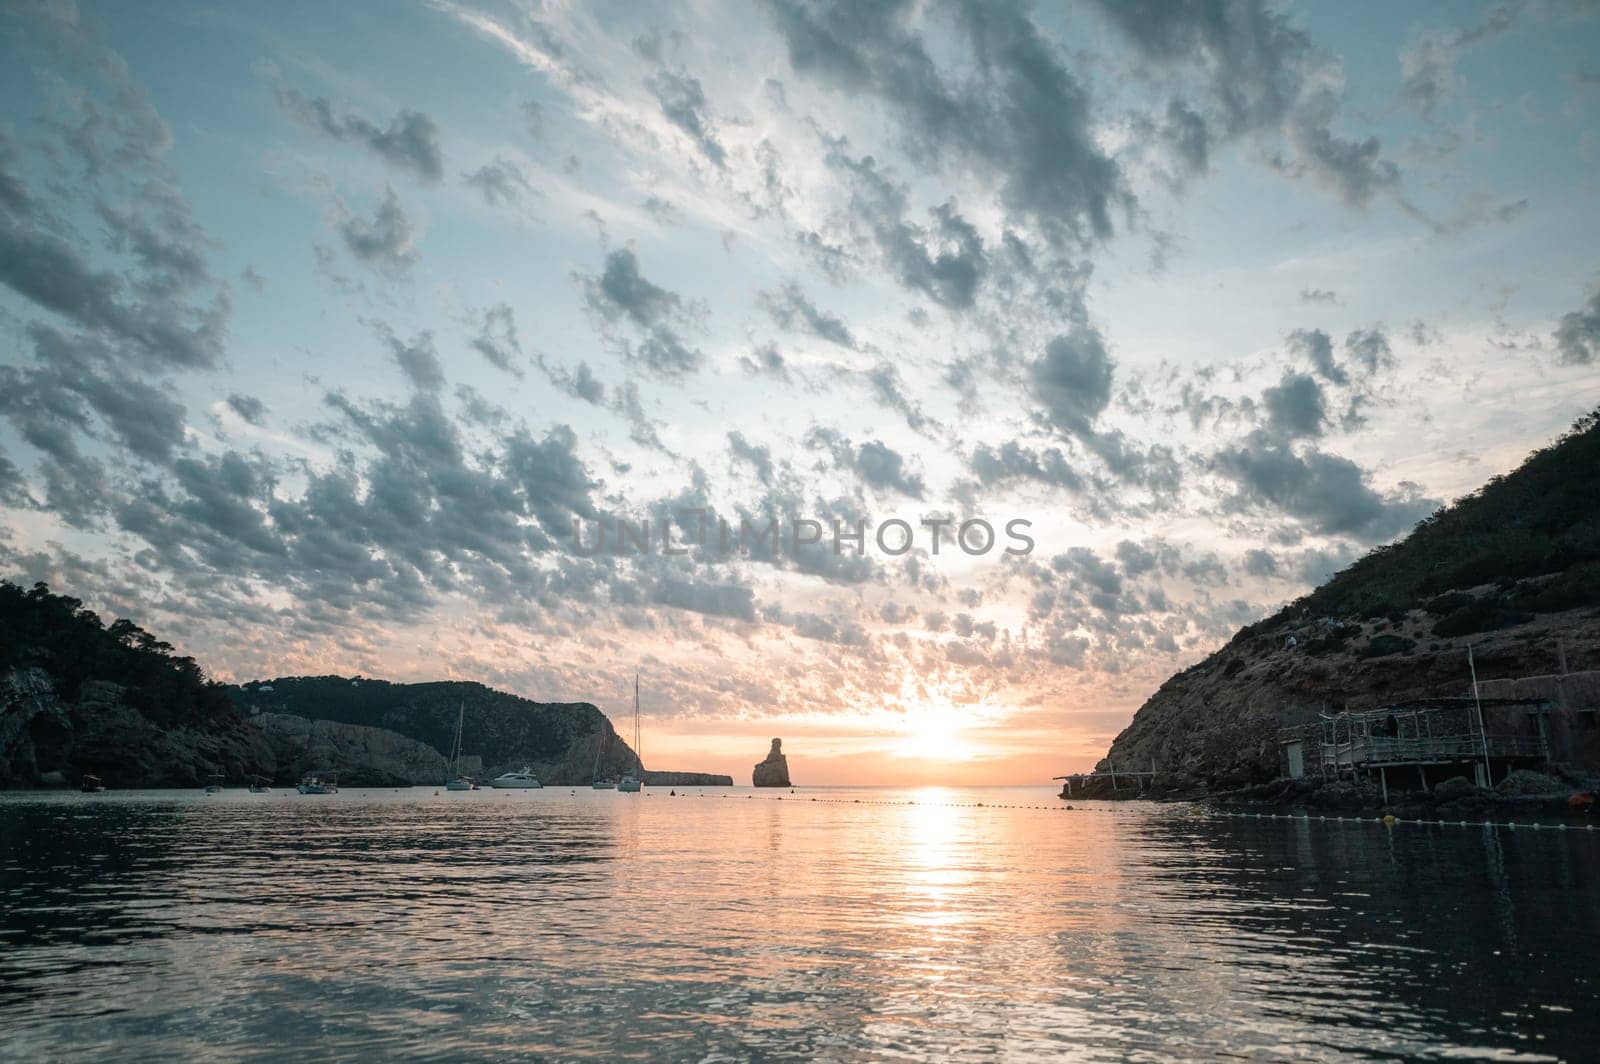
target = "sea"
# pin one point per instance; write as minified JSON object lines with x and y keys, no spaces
{"x":723,"y":924}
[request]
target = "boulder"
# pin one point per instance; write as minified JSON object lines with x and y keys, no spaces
{"x":774,"y":771}
{"x":1454,"y":789}
{"x":1523,"y":781}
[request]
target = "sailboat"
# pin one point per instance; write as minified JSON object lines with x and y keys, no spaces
{"x":607,"y":784}
{"x":262,"y":785}
{"x":631,"y":782}
{"x":456,"y":781}
{"x":216,"y":783}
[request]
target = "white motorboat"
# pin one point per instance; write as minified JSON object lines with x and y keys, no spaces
{"x":315,"y":784}
{"x":523,"y":780}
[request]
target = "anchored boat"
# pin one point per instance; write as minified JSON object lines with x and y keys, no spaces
{"x":455,"y":780}
{"x":315,"y":784}
{"x":631,"y":782}
{"x":524,"y":780}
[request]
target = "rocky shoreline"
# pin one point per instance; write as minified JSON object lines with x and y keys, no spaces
{"x":1524,"y":794}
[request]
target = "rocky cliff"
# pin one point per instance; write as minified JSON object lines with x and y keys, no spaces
{"x":563,"y":742}
{"x":360,"y":756}
{"x":1514,"y":569}
{"x":774,"y":771}
{"x":78,"y":697}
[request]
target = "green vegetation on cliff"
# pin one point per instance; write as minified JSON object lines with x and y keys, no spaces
{"x":503,"y":729}
{"x":1514,"y":566}
{"x":1539,"y":520}
{"x":77,"y":697}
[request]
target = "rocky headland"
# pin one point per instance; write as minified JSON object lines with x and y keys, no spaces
{"x":1513,"y":569}
{"x":78,"y":698}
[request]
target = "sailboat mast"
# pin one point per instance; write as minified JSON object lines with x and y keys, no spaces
{"x":638,"y":749}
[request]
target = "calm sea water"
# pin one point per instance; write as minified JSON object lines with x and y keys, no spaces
{"x":832,"y":924}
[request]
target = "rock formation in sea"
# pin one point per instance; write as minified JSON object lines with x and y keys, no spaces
{"x":1513,"y":569}
{"x":774,"y":771}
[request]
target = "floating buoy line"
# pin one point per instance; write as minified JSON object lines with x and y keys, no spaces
{"x":1387,"y":820}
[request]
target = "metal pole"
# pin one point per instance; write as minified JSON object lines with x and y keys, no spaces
{"x":1483,"y":735}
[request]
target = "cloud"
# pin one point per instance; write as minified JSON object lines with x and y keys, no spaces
{"x":622,"y":294}
{"x":1022,"y":117}
{"x":1427,"y":66}
{"x":1369,"y":350}
{"x":248,"y":407}
{"x":1071,"y":381}
{"x":386,"y":242}
{"x":497,"y":339}
{"x":877,"y":465}
{"x":1317,"y":347}
{"x":1329,"y":494}
{"x":1295,"y":407}
{"x":757,"y":456}
{"x":502,"y":183}
{"x":1318,"y":295}
{"x":1257,"y":74}
{"x":410,"y":141}
{"x":1577,"y":335}
{"x":1014,"y":461}
{"x":417,"y":358}
{"x":52,"y":275}
{"x":790,"y":309}
{"x":683,"y":102}
{"x":945,"y":261}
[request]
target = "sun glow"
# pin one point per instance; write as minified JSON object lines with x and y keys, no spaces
{"x":934,"y":732}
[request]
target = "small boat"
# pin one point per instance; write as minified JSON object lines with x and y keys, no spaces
{"x":524,"y":780}
{"x":631,"y":783}
{"x":91,"y":785}
{"x":261,"y":785}
{"x":608,"y":783}
{"x":455,"y":781}
{"x":216,"y":783}
{"x":315,"y":784}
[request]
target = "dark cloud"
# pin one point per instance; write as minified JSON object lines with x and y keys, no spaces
{"x":1577,"y":335}
{"x":497,"y":339}
{"x":945,"y":261}
{"x":765,"y":360}
{"x":683,"y":102}
{"x":1071,"y":381}
{"x":249,"y":408}
{"x":622,"y":294}
{"x":49,"y":403}
{"x":877,"y":465}
{"x":386,"y":241}
{"x":417,"y":358}
{"x":410,"y":141}
{"x":502,"y":183}
{"x":1258,"y":73}
{"x":1317,"y":347}
{"x":1329,"y":494}
{"x":1014,"y":461}
{"x":55,"y":277}
{"x":790,"y":309}
{"x":889,"y":390}
{"x":755,"y":455}
{"x":1295,"y":407}
{"x":1022,"y":118}
{"x":1369,"y":351}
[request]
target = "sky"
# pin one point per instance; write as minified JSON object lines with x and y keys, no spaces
{"x":331,"y":336}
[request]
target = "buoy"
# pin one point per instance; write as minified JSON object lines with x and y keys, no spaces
{"x":1389,"y":819}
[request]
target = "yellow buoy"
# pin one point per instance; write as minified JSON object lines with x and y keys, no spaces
{"x":1388,"y":818}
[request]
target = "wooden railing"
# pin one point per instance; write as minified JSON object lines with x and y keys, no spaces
{"x":1383,"y":750}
